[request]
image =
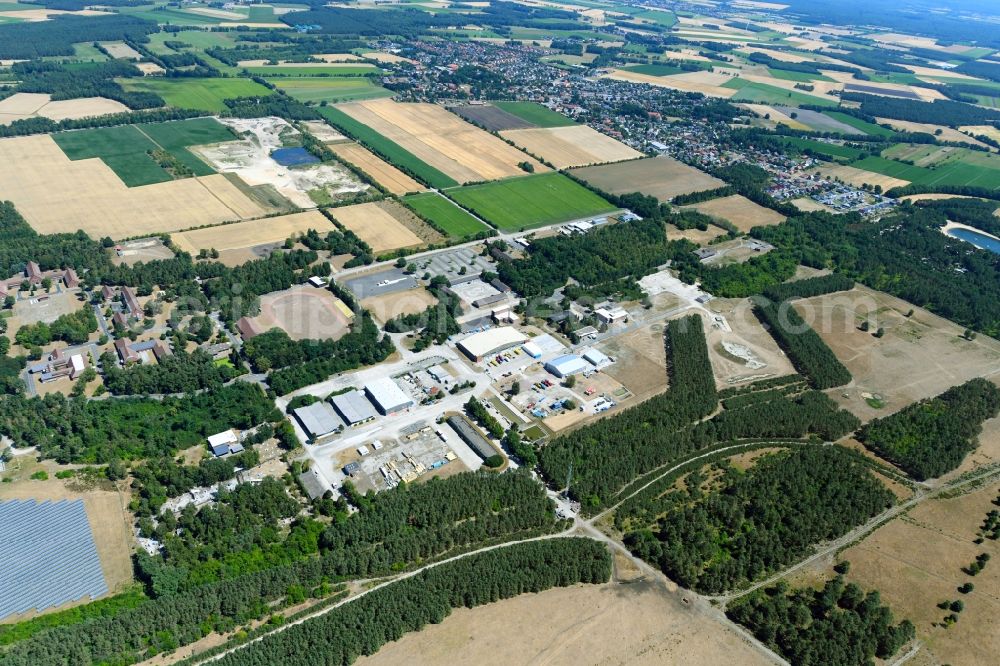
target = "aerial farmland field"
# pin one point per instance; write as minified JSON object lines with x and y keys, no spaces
{"x":661,"y":177}
{"x":200,"y":94}
{"x":329,"y":88}
{"x":516,"y":204}
{"x":536,"y":114}
{"x":445,"y":214}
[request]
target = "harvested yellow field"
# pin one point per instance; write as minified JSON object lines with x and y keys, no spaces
{"x":149,"y":68}
{"x":777,"y":55}
{"x":710,"y":84}
{"x":982,"y":130}
{"x":216,"y":13}
{"x":441,"y":139}
{"x":740,"y":211}
{"x":859,"y":177}
{"x":381,"y":171}
{"x":337,"y":57}
{"x":56,"y":195}
{"x":252,"y":233}
{"x":935,"y":73}
{"x":34,"y":105}
{"x":375,"y":225}
{"x":777,"y":117}
{"x":947,"y":133}
{"x":572,"y":146}
{"x":386,"y":58}
{"x":121,"y":50}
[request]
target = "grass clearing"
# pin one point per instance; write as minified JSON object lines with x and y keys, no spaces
{"x":960,"y":173}
{"x":802,"y":77}
{"x":329,"y":88}
{"x":857,"y":123}
{"x":522,"y":203}
{"x":654,"y":70}
{"x":823,"y":148}
{"x":536,"y":114}
{"x":318,"y":70}
{"x":455,"y":221}
{"x":761,"y":93}
{"x":199,"y":94}
{"x":388,"y":149}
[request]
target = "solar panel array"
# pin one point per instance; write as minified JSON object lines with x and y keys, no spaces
{"x":47,"y":556}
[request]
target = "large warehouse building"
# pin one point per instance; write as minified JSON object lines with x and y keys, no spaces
{"x":353,"y":407}
{"x":566,"y":365}
{"x":484,"y":344}
{"x":386,"y":395}
{"x":318,"y":419}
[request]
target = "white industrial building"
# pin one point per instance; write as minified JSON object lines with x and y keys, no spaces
{"x":318,"y":419}
{"x":566,"y":365}
{"x":532,"y":350}
{"x":493,"y":341}
{"x":353,"y":407}
{"x":611,"y":315}
{"x":596,"y":358}
{"x":225,"y":442}
{"x":386,"y":395}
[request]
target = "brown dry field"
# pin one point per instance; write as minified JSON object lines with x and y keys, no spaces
{"x":947,"y":133}
{"x":711,"y":87}
{"x":748,"y":332}
{"x":389,"y":306}
{"x":918,"y":357}
{"x":110,"y":522}
{"x":633,"y":623}
{"x":696,"y":236}
{"x":859,"y":177}
{"x":381,"y":171}
{"x":251,"y":234}
{"x":57,"y":195}
{"x":31,"y":105}
{"x":661,"y":177}
{"x":123,"y":50}
{"x":379,"y":224}
{"x":915,"y":562}
{"x":304,"y":312}
{"x":441,"y":139}
{"x":572,"y":146}
{"x":641,"y":364}
{"x":739,"y":210}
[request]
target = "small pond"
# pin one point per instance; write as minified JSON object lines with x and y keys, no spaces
{"x":290,"y":157}
{"x":976,"y":238}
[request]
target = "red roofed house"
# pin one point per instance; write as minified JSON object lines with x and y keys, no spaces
{"x":70,"y":279}
{"x":33,"y":273}
{"x":131,"y":302}
{"x":107,"y":293}
{"x":125,"y":353}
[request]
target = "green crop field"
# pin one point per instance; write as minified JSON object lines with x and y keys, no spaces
{"x":455,"y":221}
{"x":654,"y":70}
{"x":824,"y":148}
{"x":196,"y":39}
{"x":535,"y":113}
{"x":175,"y":137}
{"x":857,"y":123}
{"x":761,"y":93}
{"x":330,"y":88}
{"x":525,"y":202}
{"x":124,"y":149}
{"x":960,"y":173}
{"x":388,"y":149}
{"x":803,"y":77}
{"x":200,"y":94}
{"x":322,"y":70}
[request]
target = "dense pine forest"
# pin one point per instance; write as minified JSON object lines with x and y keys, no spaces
{"x":932,"y":437}
{"x":385,"y":615}
{"x":839,"y":624}
{"x":729,"y":527}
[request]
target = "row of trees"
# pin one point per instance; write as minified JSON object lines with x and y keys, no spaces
{"x":939,"y":112}
{"x":812,"y":357}
{"x":839,"y":624}
{"x":809,"y":287}
{"x":933,"y":436}
{"x":716,"y":536}
{"x":386,"y":615}
{"x":608,"y":454}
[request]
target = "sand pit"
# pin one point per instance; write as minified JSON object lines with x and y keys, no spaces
{"x":740,"y":211}
{"x":859,"y":177}
{"x":34,"y":105}
{"x":381,"y":171}
{"x":661,"y":177}
{"x":305,"y":313}
{"x":441,"y":139}
{"x":637,"y":624}
{"x":251,"y":160}
{"x":572,"y":146}
{"x":918,"y":357}
{"x":56,"y":195}
{"x":251,"y":234}
{"x":376,"y":224}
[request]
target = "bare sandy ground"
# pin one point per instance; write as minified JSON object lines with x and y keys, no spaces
{"x":633,"y":624}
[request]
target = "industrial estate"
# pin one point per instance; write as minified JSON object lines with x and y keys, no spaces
{"x":507,"y":332}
